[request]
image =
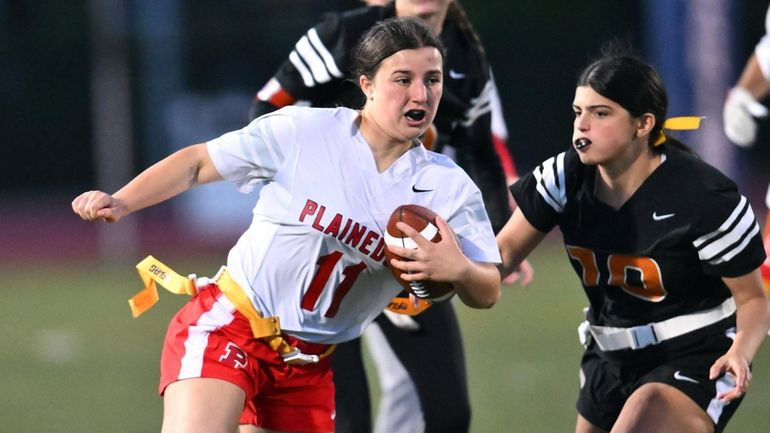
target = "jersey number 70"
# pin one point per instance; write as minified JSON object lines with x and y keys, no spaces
{"x":650,"y":286}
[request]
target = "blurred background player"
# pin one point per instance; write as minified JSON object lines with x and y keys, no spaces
{"x":668,"y":252}
{"x":741,"y":113}
{"x":420,"y":360}
{"x":322,"y":171}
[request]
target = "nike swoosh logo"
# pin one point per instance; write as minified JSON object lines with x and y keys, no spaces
{"x":415,"y":189}
{"x":679,"y":376}
{"x":657,"y":217}
{"x":456,"y":75}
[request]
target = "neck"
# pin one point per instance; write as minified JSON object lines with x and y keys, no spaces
{"x":385,"y":148}
{"x":619,"y":180}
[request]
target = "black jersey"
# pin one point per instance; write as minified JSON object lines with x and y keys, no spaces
{"x":317,"y":73}
{"x":663,"y":253}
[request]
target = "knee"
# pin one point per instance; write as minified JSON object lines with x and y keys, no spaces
{"x":658,"y":407}
{"x":649,"y":398}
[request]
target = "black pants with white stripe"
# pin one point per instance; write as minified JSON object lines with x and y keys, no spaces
{"x":434,"y":359}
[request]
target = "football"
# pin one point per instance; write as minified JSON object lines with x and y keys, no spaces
{"x":423,"y":220}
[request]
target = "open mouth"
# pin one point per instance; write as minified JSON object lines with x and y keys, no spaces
{"x":415,"y":115}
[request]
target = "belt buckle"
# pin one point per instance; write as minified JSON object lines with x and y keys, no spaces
{"x":642,"y":336}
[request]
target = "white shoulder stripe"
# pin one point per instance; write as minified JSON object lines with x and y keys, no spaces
{"x":738,"y":248}
{"x":550,"y":182}
{"x":731,"y":237}
{"x":728,"y":222}
{"x":307,"y":77}
{"x":327,"y":57}
{"x":312,"y":60}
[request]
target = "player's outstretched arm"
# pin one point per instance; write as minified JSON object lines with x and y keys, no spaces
{"x":753,"y":322}
{"x":476,"y":283}
{"x":516,"y":240}
{"x":171,"y":176}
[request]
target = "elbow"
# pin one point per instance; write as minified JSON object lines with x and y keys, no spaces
{"x":489,"y":301}
{"x":481,"y":297}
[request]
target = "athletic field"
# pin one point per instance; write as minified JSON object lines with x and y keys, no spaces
{"x":72,"y":360}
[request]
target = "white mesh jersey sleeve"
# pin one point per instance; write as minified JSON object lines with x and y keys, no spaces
{"x":254,"y":153}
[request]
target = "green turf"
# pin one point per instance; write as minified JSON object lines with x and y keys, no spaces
{"x":73,"y":360}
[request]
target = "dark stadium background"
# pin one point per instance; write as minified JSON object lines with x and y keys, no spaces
{"x":536,"y":47}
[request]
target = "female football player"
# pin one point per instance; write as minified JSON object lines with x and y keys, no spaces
{"x":313,"y":255}
{"x":667,"y":250}
{"x":413,"y":392}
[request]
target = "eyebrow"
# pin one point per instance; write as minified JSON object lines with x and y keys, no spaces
{"x":593,"y":107}
{"x":410,"y":72}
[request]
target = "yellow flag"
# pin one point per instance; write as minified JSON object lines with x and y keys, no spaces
{"x":152,"y":272}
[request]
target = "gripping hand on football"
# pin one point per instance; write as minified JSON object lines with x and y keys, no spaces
{"x":477,"y":284}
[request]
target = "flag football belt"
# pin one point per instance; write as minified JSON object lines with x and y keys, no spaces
{"x":153,"y":272}
{"x":408,"y":306}
{"x":610,"y":338}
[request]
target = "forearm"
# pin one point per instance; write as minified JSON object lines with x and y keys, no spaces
{"x":516,"y":240}
{"x":479,"y":286}
{"x":753,"y":322}
{"x":753,"y":80}
{"x":753,"y":316}
{"x":167,"y":178}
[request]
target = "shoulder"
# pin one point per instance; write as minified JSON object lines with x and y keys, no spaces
{"x":724,"y":229}
{"x":303,"y":117}
{"x":704,"y":192}
{"x":700,"y":177}
{"x":292,"y":122}
{"x":556,"y":177}
{"x":545,"y":193}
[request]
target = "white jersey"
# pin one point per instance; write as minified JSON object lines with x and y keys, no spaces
{"x":314,"y":252}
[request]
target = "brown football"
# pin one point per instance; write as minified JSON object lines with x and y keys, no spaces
{"x":423,"y":220}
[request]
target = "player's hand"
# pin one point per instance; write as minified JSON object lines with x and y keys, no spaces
{"x":96,"y":205}
{"x":522,"y":275}
{"x":739,"y":116}
{"x":437,"y":261}
{"x":735,"y":368}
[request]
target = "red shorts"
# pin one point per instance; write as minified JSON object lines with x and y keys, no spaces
{"x":208,"y":337}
